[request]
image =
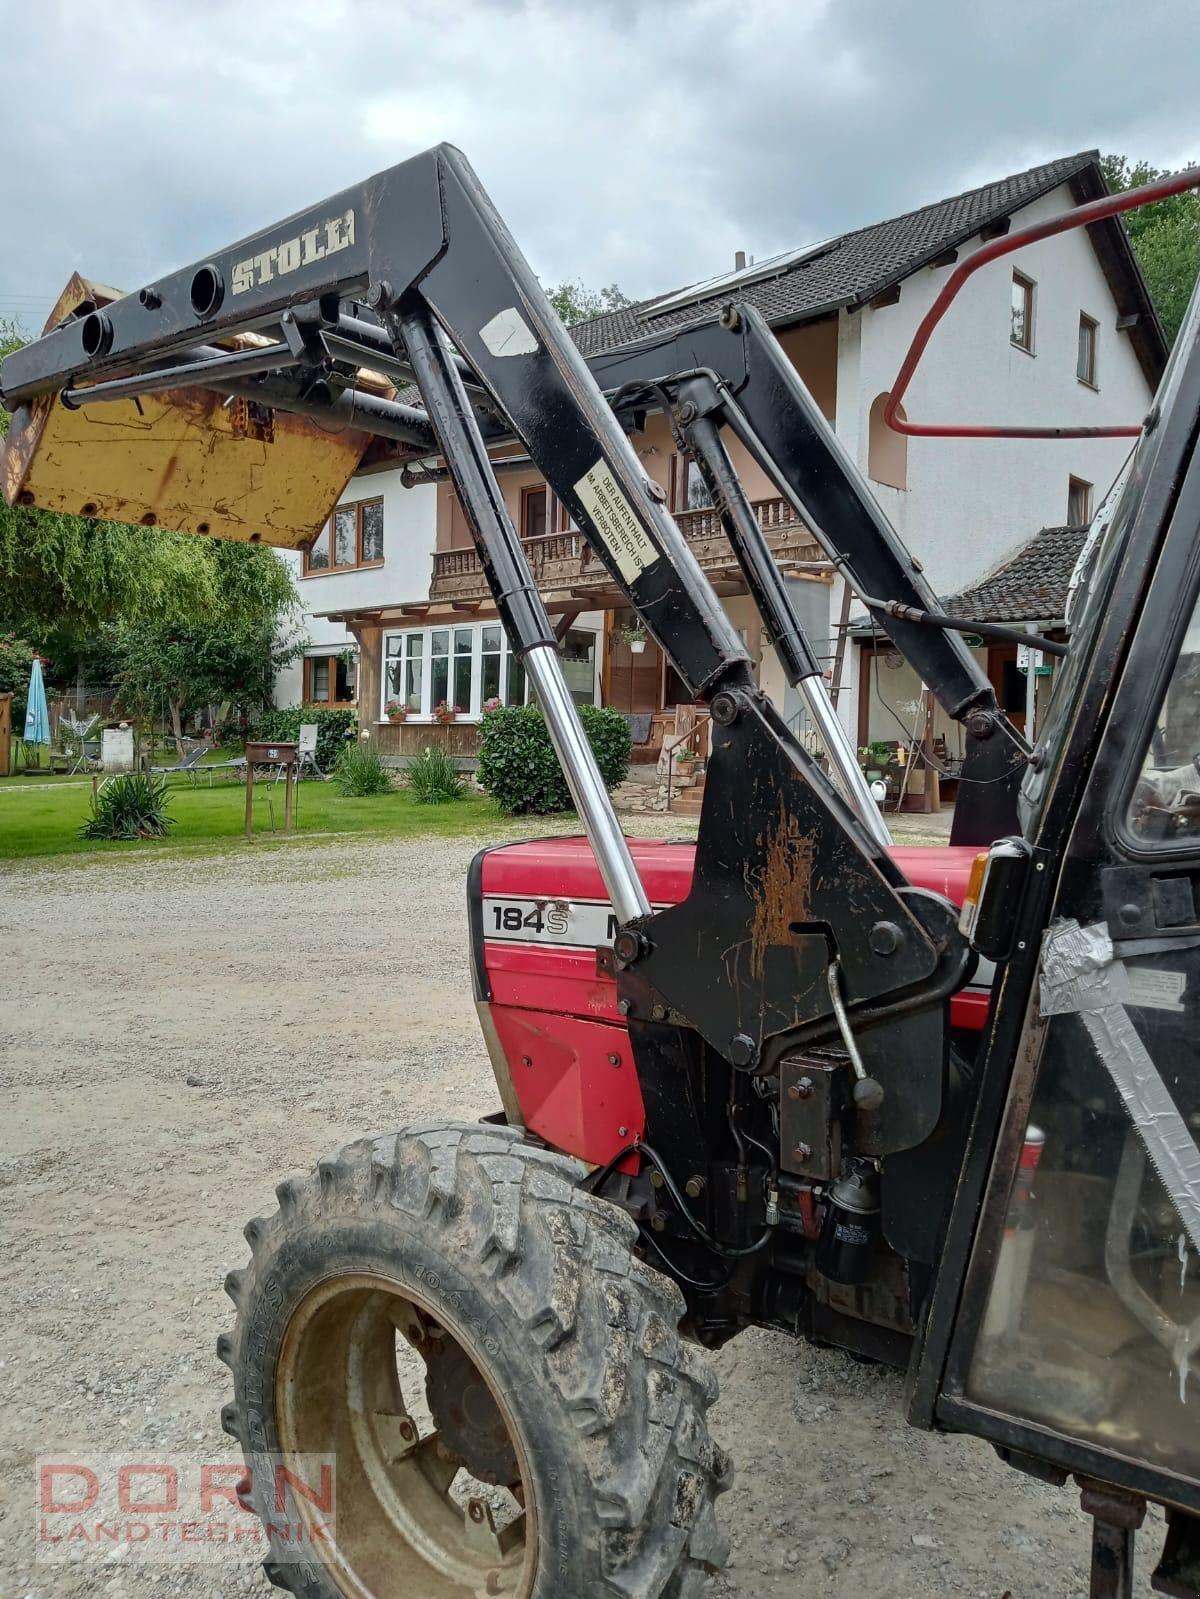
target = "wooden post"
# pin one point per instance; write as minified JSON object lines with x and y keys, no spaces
{"x":288,"y":784}
{"x":839,"y":654}
{"x":931,"y":797}
{"x":249,"y":798}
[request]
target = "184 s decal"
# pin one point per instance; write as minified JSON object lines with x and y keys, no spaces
{"x":572,"y":923}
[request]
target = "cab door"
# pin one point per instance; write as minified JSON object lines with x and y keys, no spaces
{"x":1065,"y":1323}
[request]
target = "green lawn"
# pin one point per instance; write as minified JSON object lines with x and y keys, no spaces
{"x":46,"y":821}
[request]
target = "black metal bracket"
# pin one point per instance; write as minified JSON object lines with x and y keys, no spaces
{"x":1178,"y":1569}
{"x":1116,"y":1518}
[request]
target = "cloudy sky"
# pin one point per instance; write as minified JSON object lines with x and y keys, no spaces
{"x":635,"y":141}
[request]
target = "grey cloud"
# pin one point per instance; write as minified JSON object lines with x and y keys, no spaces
{"x":622,"y":141}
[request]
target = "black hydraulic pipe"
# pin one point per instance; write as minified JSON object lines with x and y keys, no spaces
{"x":201,"y":367}
{"x":958,"y":624}
{"x":441,"y":474}
{"x":204,"y":367}
{"x":517,"y":599}
{"x":763,"y":577}
{"x":366,"y":413}
{"x":352,"y":335}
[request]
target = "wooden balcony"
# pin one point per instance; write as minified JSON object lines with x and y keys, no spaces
{"x":565,"y":567}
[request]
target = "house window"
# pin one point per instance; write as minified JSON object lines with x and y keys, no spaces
{"x":353,"y":537}
{"x":404,"y":672}
{"x":1085,"y":360}
{"x":450,"y":656}
{"x":887,"y":450}
{"x":1021,"y":332}
{"x":533,"y":512}
{"x":331,"y":679}
{"x":465,"y":666}
{"x":1079,"y":502}
{"x":689,"y":492}
{"x":502,"y":677}
{"x":578,"y":655}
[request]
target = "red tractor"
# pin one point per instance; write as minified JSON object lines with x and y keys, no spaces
{"x":938,"y":1108}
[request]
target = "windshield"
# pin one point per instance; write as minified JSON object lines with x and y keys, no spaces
{"x":1092,"y":581}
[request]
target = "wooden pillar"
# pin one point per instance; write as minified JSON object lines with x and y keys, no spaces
{"x":606,"y":647}
{"x":370,"y":675}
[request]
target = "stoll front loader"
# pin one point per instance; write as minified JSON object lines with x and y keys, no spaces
{"x":939,"y":1109}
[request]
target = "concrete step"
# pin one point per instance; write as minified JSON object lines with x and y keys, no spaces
{"x":688,"y":801}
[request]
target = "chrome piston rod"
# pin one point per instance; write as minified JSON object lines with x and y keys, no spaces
{"x":517,"y":599}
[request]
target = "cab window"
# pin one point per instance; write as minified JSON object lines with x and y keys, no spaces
{"x":1165,"y":803}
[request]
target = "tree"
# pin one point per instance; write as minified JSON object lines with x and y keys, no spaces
{"x":70,"y":572}
{"x":225,"y":657}
{"x":16,"y":662}
{"x":576,"y":303}
{"x":104,"y":596}
{"x":1165,"y":238}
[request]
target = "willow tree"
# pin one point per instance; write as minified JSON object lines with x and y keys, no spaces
{"x":181,"y":621}
{"x":68,"y":571}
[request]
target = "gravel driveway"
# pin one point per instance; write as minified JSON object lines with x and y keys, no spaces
{"x":177,"y":1032}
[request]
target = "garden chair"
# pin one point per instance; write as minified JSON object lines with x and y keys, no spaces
{"x":307,"y":751}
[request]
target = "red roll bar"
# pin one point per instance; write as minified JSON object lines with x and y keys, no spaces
{"x":1094,"y":211}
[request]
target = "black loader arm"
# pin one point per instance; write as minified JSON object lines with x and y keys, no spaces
{"x":733,"y":369}
{"x":788,"y":875}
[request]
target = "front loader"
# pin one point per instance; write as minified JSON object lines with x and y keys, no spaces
{"x":939,"y":1109}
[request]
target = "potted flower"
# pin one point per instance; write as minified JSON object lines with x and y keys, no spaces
{"x":875,"y":756}
{"x":634,"y":637}
{"x":444,"y":712}
{"x":493,"y":704}
{"x":397,"y":711}
{"x":685,"y":760}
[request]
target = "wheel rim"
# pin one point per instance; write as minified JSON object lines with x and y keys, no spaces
{"x":354,"y":1368}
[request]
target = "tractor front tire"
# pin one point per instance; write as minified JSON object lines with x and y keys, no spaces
{"x":556,"y":1384}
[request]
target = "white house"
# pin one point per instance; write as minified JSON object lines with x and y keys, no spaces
{"x":1061,"y":332}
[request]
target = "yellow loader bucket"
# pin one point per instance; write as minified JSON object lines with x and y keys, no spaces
{"x":186,"y":458}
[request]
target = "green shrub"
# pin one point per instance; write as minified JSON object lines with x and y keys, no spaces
{"x":332,"y":727}
{"x":434,"y":779}
{"x":16,"y":660}
{"x":359,"y":771}
{"x":518,"y":766}
{"x":133,"y":805}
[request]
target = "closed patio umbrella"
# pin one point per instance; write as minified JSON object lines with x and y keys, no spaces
{"x":37,"y":713}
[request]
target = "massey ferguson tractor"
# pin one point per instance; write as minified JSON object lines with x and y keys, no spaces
{"x":939,"y":1109}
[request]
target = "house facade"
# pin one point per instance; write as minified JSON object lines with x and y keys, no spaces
{"x":1062,"y":332}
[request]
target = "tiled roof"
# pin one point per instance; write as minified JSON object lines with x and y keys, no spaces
{"x":853,"y":268}
{"x":850,"y":269}
{"x":1031,"y":586}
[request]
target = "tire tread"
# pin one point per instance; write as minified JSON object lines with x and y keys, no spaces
{"x":604,"y":1325}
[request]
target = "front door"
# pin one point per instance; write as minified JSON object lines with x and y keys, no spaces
{"x":633,"y":681}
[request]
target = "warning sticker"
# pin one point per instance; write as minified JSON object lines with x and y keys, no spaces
{"x":508,"y":333}
{"x":613,"y":518}
{"x":1154,"y":989}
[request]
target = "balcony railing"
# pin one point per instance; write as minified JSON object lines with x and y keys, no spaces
{"x":567,"y":561}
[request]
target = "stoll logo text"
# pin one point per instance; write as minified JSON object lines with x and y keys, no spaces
{"x":289,"y":255}
{"x":156,"y":1509}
